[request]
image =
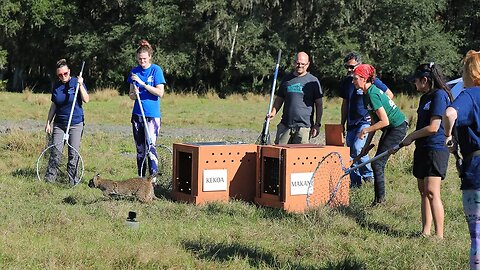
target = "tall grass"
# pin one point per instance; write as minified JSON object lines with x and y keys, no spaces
{"x":45,"y":226}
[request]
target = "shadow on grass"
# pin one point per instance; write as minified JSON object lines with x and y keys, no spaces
{"x":163,"y":190}
{"x":221,"y":208}
{"x":25,"y":172}
{"x":275,"y":213}
{"x":360,"y":217}
{"x":257,"y":257}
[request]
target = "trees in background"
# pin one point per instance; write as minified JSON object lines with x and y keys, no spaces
{"x":230,"y":46}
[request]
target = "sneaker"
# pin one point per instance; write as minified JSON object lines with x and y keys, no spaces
{"x":75,"y":182}
{"x":368,"y":179}
{"x":355,"y":186}
{"x":49,"y":180}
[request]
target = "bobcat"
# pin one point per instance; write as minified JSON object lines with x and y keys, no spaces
{"x":140,"y":188}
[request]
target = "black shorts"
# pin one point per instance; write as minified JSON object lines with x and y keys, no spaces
{"x":430,"y":163}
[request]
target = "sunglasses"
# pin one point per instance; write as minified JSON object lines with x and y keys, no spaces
{"x":350,"y":66}
{"x":300,"y":64}
{"x":62,"y":74}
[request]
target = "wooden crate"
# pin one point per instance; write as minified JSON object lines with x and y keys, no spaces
{"x":284,"y":173}
{"x":334,"y":135}
{"x":213,"y":171}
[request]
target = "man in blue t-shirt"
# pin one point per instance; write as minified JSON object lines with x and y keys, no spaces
{"x":356,"y":118}
{"x":302,"y":94}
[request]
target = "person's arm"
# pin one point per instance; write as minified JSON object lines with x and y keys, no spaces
{"x":344,"y":113}
{"x":83,"y":91}
{"x":157,"y":90}
{"x":367,"y":147}
{"x":50,"y":117}
{"x":382,"y":86}
{"x":131,"y":94}
{"x":315,"y":130}
{"x":431,"y":129}
{"x":389,"y":93}
{"x":448,"y":122}
{"x":277,"y":104}
{"x":381,"y":123}
{"x":318,"y":111}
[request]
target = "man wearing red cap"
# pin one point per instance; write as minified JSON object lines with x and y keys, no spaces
{"x":386,"y":116}
{"x":302,"y":94}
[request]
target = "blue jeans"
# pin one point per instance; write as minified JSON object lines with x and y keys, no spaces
{"x":356,"y":146}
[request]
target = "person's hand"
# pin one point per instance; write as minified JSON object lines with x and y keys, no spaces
{"x":362,"y":134}
{"x":136,"y":89}
{"x":315,"y":131}
{"x":133,"y":92}
{"x":452,"y":147}
{"x":80,"y":80}
{"x":48,"y":128}
{"x":137,"y":79}
{"x":271,"y":115}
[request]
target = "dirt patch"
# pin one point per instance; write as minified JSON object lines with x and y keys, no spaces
{"x":191,"y":133}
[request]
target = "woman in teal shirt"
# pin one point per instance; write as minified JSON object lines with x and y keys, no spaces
{"x":386,"y":116}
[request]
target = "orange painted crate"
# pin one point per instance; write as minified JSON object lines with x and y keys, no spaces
{"x":283,"y":173}
{"x":334,"y":135}
{"x":213,"y":171}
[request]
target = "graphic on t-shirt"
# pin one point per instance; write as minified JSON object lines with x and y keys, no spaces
{"x":392,"y":104}
{"x":295,"y":88}
{"x":150,"y":79}
{"x":427,"y":106}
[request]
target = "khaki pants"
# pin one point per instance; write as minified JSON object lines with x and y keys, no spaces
{"x":295,"y":135}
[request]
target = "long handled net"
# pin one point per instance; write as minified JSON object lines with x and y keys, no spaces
{"x":160,"y":154}
{"x":264,"y":138}
{"x":51,"y":165}
{"x":326,"y":186}
{"x":165,"y":166}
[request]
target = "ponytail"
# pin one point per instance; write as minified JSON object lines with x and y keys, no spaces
{"x":144,"y":46}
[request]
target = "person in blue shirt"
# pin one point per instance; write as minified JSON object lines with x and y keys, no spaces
{"x":356,"y":118}
{"x":464,"y":115}
{"x":148,"y":81}
{"x":430,"y":159}
{"x":57,"y":121}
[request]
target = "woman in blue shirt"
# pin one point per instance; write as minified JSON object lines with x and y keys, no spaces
{"x":62,"y":100}
{"x":430,"y":159}
{"x":464,"y":114}
{"x":147,"y":79}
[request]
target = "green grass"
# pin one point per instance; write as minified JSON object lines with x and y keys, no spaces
{"x":45,"y":226}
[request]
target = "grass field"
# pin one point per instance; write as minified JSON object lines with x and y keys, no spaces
{"x":45,"y":226}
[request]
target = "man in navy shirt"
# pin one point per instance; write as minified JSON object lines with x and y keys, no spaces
{"x":356,"y":117}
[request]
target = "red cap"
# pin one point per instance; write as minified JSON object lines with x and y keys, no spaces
{"x":364,"y":70}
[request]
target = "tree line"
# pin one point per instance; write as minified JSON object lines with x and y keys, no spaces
{"x":230,"y":46}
